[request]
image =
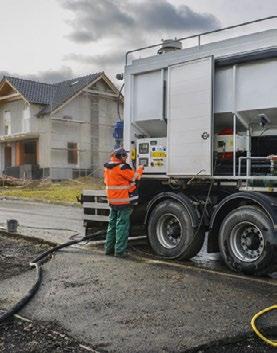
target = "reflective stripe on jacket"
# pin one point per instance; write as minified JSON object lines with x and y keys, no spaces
{"x":120,"y":182}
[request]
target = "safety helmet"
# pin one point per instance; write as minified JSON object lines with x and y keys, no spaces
{"x":120,"y":152}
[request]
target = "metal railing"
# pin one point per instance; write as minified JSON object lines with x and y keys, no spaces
{"x":199,"y":35}
{"x":248,"y":170}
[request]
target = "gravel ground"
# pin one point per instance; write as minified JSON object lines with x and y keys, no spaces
{"x":36,"y":337}
{"x":16,"y":253}
{"x":43,"y":337}
{"x":249,"y":345}
{"x":135,"y":318}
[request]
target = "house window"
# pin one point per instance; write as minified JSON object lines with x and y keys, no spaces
{"x":30,"y":152}
{"x":72,"y":154}
{"x":7,"y":123}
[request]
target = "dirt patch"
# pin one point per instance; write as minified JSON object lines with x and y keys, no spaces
{"x":38,"y":337}
{"x":16,"y":254}
{"x":247,"y":345}
{"x":42,"y":337}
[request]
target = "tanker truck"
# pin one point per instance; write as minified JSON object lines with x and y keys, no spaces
{"x":203,"y":121}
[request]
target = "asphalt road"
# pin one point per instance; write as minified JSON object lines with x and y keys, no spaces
{"x":41,"y":215}
{"x":57,"y":223}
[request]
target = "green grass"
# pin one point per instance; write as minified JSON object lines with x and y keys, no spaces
{"x":57,"y":192}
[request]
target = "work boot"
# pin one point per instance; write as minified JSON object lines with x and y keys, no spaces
{"x":122,"y":256}
{"x":109,"y":253}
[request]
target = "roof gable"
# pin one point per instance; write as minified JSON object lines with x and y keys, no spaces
{"x":33,"y":92}
{"x":101,"y":86}
{"x":6,"y":88}
{"x":52,"y":96}
{"x":67,"y":89}
{"x":8,"y":92}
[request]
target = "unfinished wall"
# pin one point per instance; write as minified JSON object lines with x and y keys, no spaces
{"x":87,"y":120}
{"x":107,"y":116}
{"x":16,"y":109}
{"x":2,"y":158}
{"x":103,"y":112}
{"x":41,"y":126}
{"x":94,"y":135}
{"x":71,"y":124}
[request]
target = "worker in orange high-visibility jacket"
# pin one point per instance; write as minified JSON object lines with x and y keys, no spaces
{"x":120,"y":180}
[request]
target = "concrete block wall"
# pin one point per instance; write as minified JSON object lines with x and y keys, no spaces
{"x":94,"y":134}
{"x":41,"y":126}
{"x":16,"y":109}
{"x":107,"y":118}
{"x":72,"y":126}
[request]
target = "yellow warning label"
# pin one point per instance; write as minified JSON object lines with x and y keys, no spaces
{"x":158,"y":154}
{"x":133,"y":154}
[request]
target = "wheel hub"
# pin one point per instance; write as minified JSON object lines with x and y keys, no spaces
{"x":250,"y":240}
{"x":169,"y":231}
{"x":247,"y":241}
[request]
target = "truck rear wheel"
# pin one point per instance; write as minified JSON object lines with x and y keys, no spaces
{"x":170,"y":231}
{"x":244,"y":241}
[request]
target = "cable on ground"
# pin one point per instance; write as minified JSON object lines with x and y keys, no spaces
{"x":37,"y":263}
{"x":271,"y":342}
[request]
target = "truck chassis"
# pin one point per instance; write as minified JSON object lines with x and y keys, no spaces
{"x":241,"y":225}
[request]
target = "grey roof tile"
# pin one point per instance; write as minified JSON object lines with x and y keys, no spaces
{"x":50,"y":95}
{"x":34,"y":92}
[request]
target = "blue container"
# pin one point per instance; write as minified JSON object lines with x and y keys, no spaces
{"x":118,"y":133}
{"x":118,"y":130}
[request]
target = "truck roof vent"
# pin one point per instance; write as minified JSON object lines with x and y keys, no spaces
{"x":170,"y":45}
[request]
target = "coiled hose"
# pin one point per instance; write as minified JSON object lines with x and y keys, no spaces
{"x":37,"y":262}
{"x":272,"y":343}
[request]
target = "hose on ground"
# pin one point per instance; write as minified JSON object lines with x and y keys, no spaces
{"x":272,"y":343}
{"x":37,"y":263}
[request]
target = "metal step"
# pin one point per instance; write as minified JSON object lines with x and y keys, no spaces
{"x":95,"y":205}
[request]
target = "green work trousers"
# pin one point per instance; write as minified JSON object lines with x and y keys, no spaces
{"x":118,"y":231}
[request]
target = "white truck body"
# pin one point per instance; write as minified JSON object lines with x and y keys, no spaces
{"x":184,"y":94}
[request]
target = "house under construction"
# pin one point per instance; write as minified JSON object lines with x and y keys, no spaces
{"x":56,"y":131}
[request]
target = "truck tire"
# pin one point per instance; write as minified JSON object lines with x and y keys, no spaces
{"x":244,"y":241}
{"x":170,"y":231}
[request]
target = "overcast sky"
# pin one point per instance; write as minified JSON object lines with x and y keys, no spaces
{"x":53,"y":40}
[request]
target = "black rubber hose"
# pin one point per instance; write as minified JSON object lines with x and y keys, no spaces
{"x":28,"y":296}
{"x":118,"y":102}
{"x":37,"y":262}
